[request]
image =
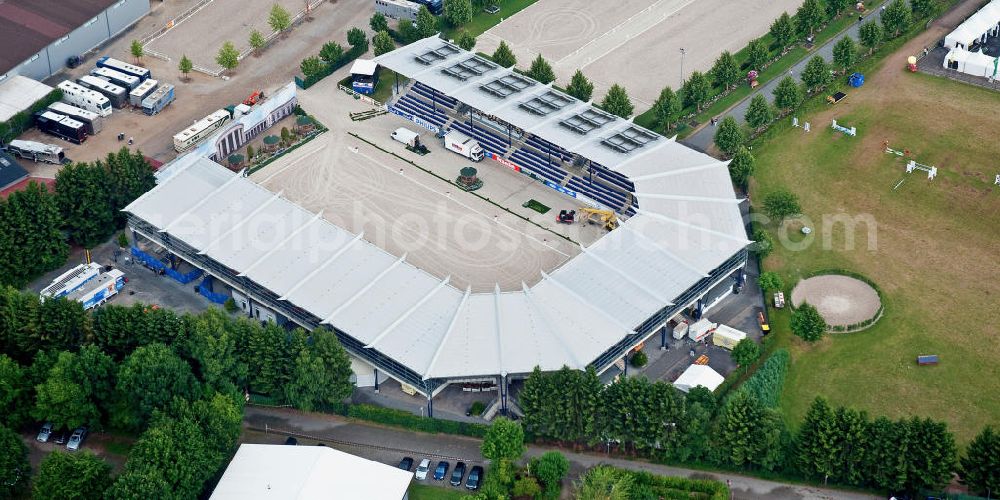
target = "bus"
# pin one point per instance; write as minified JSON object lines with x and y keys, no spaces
{"x":81,"y":97}
{"x":71,"y":280}
{"x":61,"y":126}
{"x":117,"y":77}
{"x":37,"y":151}
{"x":124,"y":67}
{"x":117,"y":95}
{"x":200,"y":130}
{"x":92,"y":121}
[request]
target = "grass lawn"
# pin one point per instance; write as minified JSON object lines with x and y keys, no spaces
{"x":934,"y":249}
{"x":426,"y":492}
{"x":481,"y":21}
{"x":536,"y":206}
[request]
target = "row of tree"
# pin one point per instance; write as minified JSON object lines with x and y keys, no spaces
{"x":332,"y":56}
{"x":84,"y":209}
{"x":746,"y":431}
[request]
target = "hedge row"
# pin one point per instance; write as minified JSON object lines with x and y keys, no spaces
{"x":328,"y":69}
{"x":767,"y":382}
{"x":407,"y":420}
{"x":649,"y":485}
{"x":24,"y":120}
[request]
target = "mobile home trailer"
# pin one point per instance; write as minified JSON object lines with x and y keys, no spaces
{"x":116,"y":94}
{"x":200,"y":130}
{"x":124,"y":67}
{"x":37,"y":151}
{"x":141,"y":92}
{"x":61,"y":126}
{"x":117,"y":77}
{"x":398,"y":9}
{"x":82,"y":97}
{"x":92,"y":121}
{"x":71,"y":280}
{"x":158,"y":100}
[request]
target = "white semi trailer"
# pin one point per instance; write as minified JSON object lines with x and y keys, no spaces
{"x":463,"y":145}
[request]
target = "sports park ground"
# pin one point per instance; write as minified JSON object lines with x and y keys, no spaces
{"x":633,"y":42}
{"x":406,"y":210}
{"x":934,"y":254}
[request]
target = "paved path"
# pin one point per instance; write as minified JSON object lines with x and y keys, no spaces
{"x":389,"y":445}
{"x":702,"y":139}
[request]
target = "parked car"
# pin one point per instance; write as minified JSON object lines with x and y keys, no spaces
{"x":60,"y":436}
{"x":291,"y":441}
{"x":441,"y":471}
{"x":76,"y":439}
{"x":406,"y":463}
{"x":44,"y":432}
{"x":475,"y":478}
{"x":456,"y":475}
{"x":422,"y":469}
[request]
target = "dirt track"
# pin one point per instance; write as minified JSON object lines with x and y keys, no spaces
{"x":841,"y":300}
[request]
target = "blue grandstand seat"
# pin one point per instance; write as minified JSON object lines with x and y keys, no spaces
{"x":432,"y":94}
{"x":487,"y":139}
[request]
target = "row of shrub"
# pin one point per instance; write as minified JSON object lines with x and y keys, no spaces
{"x":669,"y":487}
{"x":767,"y":382}
{"x":24,"y":120}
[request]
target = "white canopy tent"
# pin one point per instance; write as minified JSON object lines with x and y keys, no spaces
{"x":985,"y":22}
{"x":699,"y":375}
{"x":366,"y":67}
{"x":972,"y":63}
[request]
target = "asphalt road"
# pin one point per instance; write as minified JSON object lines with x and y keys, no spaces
{"x":389,"y":445}
{"x":702,"y":139}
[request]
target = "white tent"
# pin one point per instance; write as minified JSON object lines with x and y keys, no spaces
{"x":972,"y":63}
{"x":364,"y":67}
{"x":984,"y":22}
{"x":727,"y":336}
{"x":696,"y":375}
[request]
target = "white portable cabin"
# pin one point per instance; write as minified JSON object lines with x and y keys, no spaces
{"x":117,"y":77}
{"x":139,"y":93}
{"x":116,"y":94}
{"x":699,"y":375}
{"x":700,"y":329}
{"x":727,"y":337}
{"x":91,"y":120}
{"x":681,"y":329}
{"x":81,"y":97}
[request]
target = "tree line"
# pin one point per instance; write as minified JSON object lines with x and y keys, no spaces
{"x":179,"y":380}
{"x":744,"y":430}
{"x":37,"y":225}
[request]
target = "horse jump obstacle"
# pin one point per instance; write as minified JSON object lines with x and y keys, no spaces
{"x":997,"y":182}
{"x":931,"y":171}
{"x":853,"y":131}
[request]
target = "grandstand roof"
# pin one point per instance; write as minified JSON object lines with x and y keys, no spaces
{"x":688,"y":226}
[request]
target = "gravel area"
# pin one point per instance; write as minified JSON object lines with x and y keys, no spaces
{"x":841,"y":300}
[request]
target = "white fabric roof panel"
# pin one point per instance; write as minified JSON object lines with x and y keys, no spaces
{"x":975,"y":26}
{"x":357,"y":267}
{"x":414,"y":341}
{"x":159,"y":206}
{"x":307,"y":252}
{"x":473,"y":344}
{"x":215,"y":214}
{"x":375,"y":309}
{"x":629,"y":303}
{"x":644,"y":263}
{"x":702,"y":249}
{"x":584,"y":331}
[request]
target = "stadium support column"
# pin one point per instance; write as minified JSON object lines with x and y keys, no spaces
{"x":396,"y":75}
{"x":430,"y":404}
{"x":376,"y":380}
{"x":663,"y":337}
{"x":503,"y":394}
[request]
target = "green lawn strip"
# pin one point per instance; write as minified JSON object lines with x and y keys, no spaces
{"x":484,"y":198}
{"x":536,"y":206}
{"x":427,"y":492}
{"x":481,"y":21}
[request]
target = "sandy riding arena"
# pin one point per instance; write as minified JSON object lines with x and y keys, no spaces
{"x":841,"y":300}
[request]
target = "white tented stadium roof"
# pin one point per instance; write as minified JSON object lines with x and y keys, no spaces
{"x":984,"y":20}
{"x":689,"y":224}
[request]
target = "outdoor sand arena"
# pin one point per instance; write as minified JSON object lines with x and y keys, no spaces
{"x":633,"y":42}
{"x":841,"y":300}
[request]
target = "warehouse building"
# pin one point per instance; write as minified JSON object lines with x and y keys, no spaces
{"x":40,"y":36}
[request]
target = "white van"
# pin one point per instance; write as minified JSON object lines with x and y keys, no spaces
{"x":406,"y":136}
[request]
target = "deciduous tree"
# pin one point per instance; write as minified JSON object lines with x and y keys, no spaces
{"x":726,"y":71}
{"x":378,"y":22}
{"x":757,"y":54}
{"x":466,"y":40}
{"x":137,"y":51}
{"x":322,"y":373}
{"x":696,"y":90}
{"x":79,"y":475}
{"x":457,"y":12}
{"x":763,"y":244}
{"x":667,"y":108}
{"x":845,"y":53}
{"x":279,"y":19}
{"x":150,"y":377}
{"x":729,"y":136}
{"x":770,"y":281}
{"x":504,"y":440}
{"x":14,"y":466}
{"x":550,"y":469}
{"x":788,"y":94}
{"x":835,"y":7}
{"x":809,"y":18}
{"x":896,"y":18}
{"x":331,"y":52}
{"x":62,"y":399}
{"x":382,"y":43}
{"x":426,"y":23}
{"x":356,"y":39}
{"x":228,"y":57}
{"x":783,"y":31}
{"x":870,"y":34}
{"x":759,"y":113}
{"x":580,"y":87}
{"x":781,"y":203}
{"x":746,"y":352}
{"x":807,"y":323}
{"x":742,"y":166}
{"x":604,"y":482}
{"x":82,"y":193}
{"x":617,"y":102}
{"x":980,"y":466}
{"x":816,"y":75}
{"x":15,"y":393}
{"x":185,"y":66}
{"x":257,"y":41}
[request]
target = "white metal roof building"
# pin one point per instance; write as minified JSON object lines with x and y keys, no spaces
{"x":18,"y":93}
{"x":688,"y":237}
{"x":266,"y":472}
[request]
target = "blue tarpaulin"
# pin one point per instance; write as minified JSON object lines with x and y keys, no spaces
{"x":205,"y":288}
{"x":856,"y":80}
{"x":158,"y":265}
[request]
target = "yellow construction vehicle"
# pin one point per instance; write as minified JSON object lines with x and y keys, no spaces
{"x":607,"y":218}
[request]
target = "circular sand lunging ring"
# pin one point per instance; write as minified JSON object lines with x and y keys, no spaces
{"x":841,"y":300}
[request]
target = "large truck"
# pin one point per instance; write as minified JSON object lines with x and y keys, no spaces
{"x":82,"y":97}
{"x":37,"y":151}
{"x":463,"y":145}
{"x":97,"y":291}
{"x":61,"y":126}
{"x":118,"y":96}
{"x":124,"y":67}
{"x":436,"y":7}
{"x":92,"y":121}
{"x":71,"y":281}
{"x":117,"y":77}
{"x":159,"y":99}
{"x":141,"y":92}
{"x":200,"y":130}
{"x":398,"y":9}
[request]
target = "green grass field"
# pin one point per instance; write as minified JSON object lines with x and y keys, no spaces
{"x":426,"y":492}
{"x":935,"y":251}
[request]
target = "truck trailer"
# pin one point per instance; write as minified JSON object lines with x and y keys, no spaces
{"x":61,"y":126}
{"x":159,"y":99}
{"x":118,"y":96}
{"x":82,"y":97}
{"x":463,"y":145}
{"x":141,"y":92}
{"x":92,"y":121}
{"x":118,"y":78}
{"x":37,"y":151}
{"x":70,"y":281}
{"x":97,"y":291}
